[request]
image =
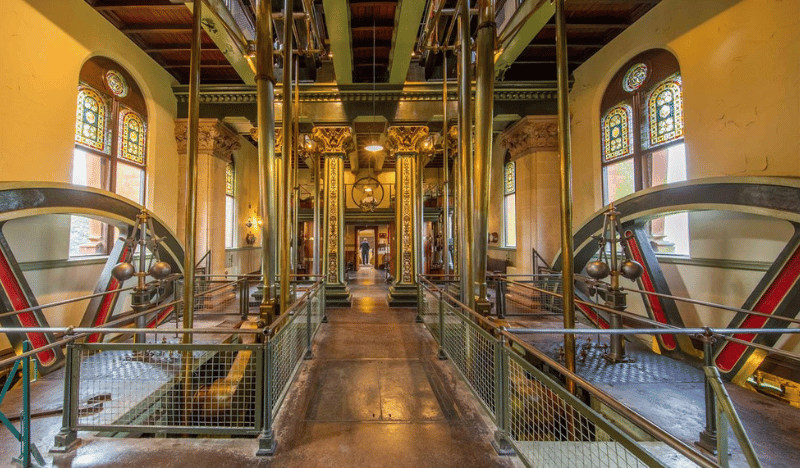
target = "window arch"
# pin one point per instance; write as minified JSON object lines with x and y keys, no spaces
{"x":642,"y":124}
{"x":510,"y":204}
{"x":110,"y":145}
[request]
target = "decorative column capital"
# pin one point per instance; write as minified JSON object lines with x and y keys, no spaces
{"x":215,"y":138}
{"x":278,"y":137}
{"x":333,"y":139}
{"x":532,"y":133}
{"x":451,"y":140}
{"x":405,"y":139}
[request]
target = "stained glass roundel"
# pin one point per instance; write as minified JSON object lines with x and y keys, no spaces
{"x":116,"y":83}
{"x":634,"y":77}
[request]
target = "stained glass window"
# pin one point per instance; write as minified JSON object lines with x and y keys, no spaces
{"x":664,"y":113}
{"x":617,"y":132}
{"x":229,"y":180}
{"x":116,"y":83}
{"x":132,"y":134}
{"x":511,"y":179}
{"x":635,"y":77}
{"x":91,"y":121}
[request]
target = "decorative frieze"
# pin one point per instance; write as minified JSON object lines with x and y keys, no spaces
{"x":530,"y":134}
{"x":405,"y":167}
{"x":214,"y":138}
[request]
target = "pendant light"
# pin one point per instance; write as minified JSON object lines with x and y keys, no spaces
{"x":375,"y":146}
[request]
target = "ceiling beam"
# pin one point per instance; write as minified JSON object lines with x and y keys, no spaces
{"x":155,"y":28}
{"x":337,"y":22}
{"x":519,"y":31}
{"x":140,"y":5}
{"x":222,"y":28}
{"x":353,"y":156}
{"x":407,"y":21}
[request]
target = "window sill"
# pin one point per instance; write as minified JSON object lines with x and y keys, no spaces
{"x":724,"y":264}
{"x":500,"y":247}
{"x":68,"y":263}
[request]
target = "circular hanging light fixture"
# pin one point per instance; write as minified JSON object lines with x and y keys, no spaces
{"x":375,"y":146}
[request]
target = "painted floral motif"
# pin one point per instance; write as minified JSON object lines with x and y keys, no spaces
{"x":635,"y":77}
{"x":617,"y":132}
{"x":116,"y":83}
{"x":91,"y":122}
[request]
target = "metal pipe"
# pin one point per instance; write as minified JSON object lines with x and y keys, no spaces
{"x":190,"y":199}
{"x":65,"y":301}
{"x":296,"y":167}
{"x":446,"y":172}
{"x":430,"y":25}
{"x":484,"y":103}
{"x":286,"y":158}
{"x":266,"y":155}
{"x":566,"y":187}
{"x":465,"y":138}
{"x":458,"y":11}
{"x":317,"y":217}
{"x":726,"y":405}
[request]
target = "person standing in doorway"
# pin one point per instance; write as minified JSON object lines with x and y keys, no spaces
{"x":364,"y":252}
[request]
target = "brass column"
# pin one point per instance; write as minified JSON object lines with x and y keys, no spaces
{"x":266,"y":156}
{"x":467,"y":236}
{"x":334,"y":143}
{"x":484,"y":103}
{"x":286,"y":157}
{"x":190,"y":200}
{"x":446,"y":171}
{"x":404,"y":142}
{"x":317,"y":218}
{"x":567,"y":253}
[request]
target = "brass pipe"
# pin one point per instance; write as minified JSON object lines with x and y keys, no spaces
{"x":446,"y":172}
{"x":465,"y":139}
{"x":296,"y":166}
{"x":265,"y":88}
{"x":484,"y":103}
{"x":286,"y":159}
{"x":567,"y":247}
{"x":317,"y":218}
{"x":190,"y":199}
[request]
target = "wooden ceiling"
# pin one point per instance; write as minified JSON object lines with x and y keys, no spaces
{"x":372,"y":20}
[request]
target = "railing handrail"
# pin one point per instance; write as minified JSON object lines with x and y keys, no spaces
{"x":605,"y":398}
{"x":271,"y":329}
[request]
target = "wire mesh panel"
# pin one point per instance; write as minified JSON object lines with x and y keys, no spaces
{"x":551,"y":428}
{"x":471,"y":350}
{"x":287,"y":349}
{"x":521,"y":299}
{"x":429,"y":310}
{"x":160,"y":387}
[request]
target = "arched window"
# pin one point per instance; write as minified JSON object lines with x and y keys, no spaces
{"x":510,"y":205}
{"x":230,"y":206}
{"x":641,"y":123}
{"x":110,"y":145}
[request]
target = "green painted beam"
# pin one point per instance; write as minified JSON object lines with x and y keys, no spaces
{"x":406,"y":23}
{"x":337,"y":20}
{"x":528,"y":20}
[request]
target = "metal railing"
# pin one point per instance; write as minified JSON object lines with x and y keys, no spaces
{"x":512,"y":300}
{"x":28,"y":450}
{"x":535,"y":416}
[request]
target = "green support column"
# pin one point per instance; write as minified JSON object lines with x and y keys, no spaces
{"x":334,"y":143}
{"x":404,"y":142}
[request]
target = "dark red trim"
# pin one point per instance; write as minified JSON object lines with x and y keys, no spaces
{"x":160,"y":317}
{"x":593,"y":316}
{"x":767,"y":304}
{"x":19,"y":301}
{"x":104,"y":311}
{"x":647,"y":283}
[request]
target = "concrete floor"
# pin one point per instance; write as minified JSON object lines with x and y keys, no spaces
{"x":374,"y":395}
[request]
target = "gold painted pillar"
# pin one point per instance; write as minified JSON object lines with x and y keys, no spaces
{"x":404,"y":142}
{"x":334,"y":143}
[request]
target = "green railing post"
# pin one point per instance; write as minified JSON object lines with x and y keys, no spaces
{"x":244,"y":299}
{"x":67,"y":437}
{"x":709,"y":438}
{"x":324,"y":302}
{"x":420,"y":304}
{"x":309,"y":304}
{"x":442,"y":354}
{"x":501,"y":398}
{"x":266,"y":440}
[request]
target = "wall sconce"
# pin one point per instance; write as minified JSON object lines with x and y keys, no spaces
{"x":252,"y":220}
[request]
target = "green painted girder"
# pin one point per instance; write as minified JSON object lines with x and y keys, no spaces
{"x":407,"y":22}
{"x":530,"y":18}
{"x":337,"y":20}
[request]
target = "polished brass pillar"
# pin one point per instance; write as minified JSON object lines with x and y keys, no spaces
{"x":455,"y":181}
{"x":190,"y":200}
{"x":484,"y":103}
{"x":334,"y":143}
{"x":567,"y":252}
{"x":465,"y":157}
{"x":265,"y":88}
{"x":286,"y":157}
{"x":404,"y":142}
{"x":445,"y":172}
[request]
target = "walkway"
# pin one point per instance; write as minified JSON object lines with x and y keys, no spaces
{"x":375,"y":395}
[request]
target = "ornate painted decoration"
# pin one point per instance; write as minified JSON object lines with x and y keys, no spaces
{"x":132,"y":135}
{"x":333,"y":139}
{"x":406,"y":216}
{"x":91,"y":121}
{"x":617,"y":132}
{"x":334,"y":165}
{"x":531,"y":134}
{"x":510,"y":185}
{"x":406,"y":139}
{"x":664,"y":113}
{"x":635,"y":77}
{"x":230,"y":179}
{"x":116,"y":83}
{"x":215,"y":138}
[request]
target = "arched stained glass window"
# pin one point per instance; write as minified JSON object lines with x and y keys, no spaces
{"x":230,"y":205}
{"x":132,"y":134}
{"x":229,"y":179}
{"x":91,"y":121}
{"x":664,"y":113}
{"x":617,"y":133}
{"x":510,"y":205}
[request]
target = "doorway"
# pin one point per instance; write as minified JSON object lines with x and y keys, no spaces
{"x":366,"y":235}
